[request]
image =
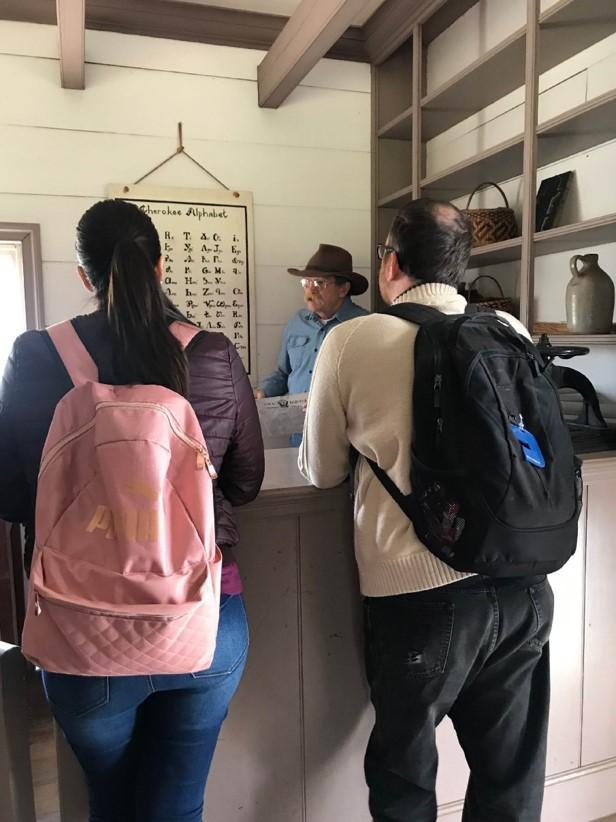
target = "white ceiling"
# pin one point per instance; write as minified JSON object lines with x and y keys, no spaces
{"x":282,"y":7}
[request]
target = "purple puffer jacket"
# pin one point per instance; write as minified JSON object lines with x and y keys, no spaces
{"x":35,"y":380}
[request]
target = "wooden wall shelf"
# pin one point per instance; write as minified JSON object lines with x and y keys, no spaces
{"x":572,"y":132}
{"x":397,"y":199}
{"x":399,"y":127}
{"x":501,"y":70}
{"x":571,"y":26}
{"x":578,"y":129}
{"x":589,"y":233}
{"x":498,"y":163}
{"x":405,"y":117}
{"x":565,"y":338}
{"x":496,"y":253}
{"x":489,"y":78}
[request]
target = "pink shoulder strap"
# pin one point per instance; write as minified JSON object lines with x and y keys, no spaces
{"x":77,"y":360}
{"x":73,"y":353}
{"x":184,"y":332}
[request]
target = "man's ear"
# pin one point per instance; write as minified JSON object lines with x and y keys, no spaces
{"x":84,"y":278}
{"x":392,"y":268}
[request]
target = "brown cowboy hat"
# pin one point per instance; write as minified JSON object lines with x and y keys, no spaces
{"x":333,"y":261}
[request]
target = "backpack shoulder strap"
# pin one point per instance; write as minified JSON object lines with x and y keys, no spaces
{"x":407,"y":503}
{"x":415,"y":313}
{"x":184,"y":333}
{"x":73,"y":353}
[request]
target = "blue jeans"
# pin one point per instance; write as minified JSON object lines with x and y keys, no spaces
{"x":146,"y":743}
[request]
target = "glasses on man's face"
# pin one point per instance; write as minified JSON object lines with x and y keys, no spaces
{"x":318,"y":285}
{"x":382,"y":250}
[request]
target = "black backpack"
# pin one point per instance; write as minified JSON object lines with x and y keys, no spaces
{"x":496,"y":486}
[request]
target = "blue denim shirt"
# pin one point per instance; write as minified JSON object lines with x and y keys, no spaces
{"x":302,"y":339}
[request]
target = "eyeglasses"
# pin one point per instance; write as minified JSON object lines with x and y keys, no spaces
{"x":318,"y":285}
{"x":382,"y":250}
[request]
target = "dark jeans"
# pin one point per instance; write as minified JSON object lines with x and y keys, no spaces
{"x":477,"y":651}
{"x":146,"y":743}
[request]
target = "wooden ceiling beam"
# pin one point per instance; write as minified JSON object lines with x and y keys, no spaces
{"x":71,"y":15}
{"x":185,"y":21}
{"x":308,"y":35}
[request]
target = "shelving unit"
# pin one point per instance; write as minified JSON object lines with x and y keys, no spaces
{"x":579,"y":339}
{"x":405,"y":117}
{"x":398,"y":198}
{"x":577,"y":130}
{"x":571,"y":26}
{"x":586,"y":234}
{"x":399,"y":127}
{"x":577,"y":235}
{"x":489,"y":78}
{"x":501,"y":70}
{"x":499,"y":162}
{"x":496,"y":253}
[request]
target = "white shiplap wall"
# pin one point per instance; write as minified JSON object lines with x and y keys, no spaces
{"x":586,"y":75}
{"x":307,"y":163}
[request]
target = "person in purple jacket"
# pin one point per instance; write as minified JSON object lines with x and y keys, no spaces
{"x":145,"y":743}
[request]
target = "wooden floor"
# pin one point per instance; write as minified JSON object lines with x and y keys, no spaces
{"x":42,"y":748}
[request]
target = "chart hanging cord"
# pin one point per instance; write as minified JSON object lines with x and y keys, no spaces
{"x":181,"y":150}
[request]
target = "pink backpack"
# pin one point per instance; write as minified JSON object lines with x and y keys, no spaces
{"x":126,"y":573}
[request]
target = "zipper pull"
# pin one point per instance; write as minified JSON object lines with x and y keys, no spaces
{"x":439,"y":431}
{"x":37,"y":605}
{"x":517,"y":420}
{"x":203,"y":461}
{"x":534,"y":365}
{"x":438,"y":382}
{"x":210,"y":467}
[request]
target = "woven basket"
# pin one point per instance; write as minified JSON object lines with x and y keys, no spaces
{"x":491,"y":225}
{"x":501,"y":303}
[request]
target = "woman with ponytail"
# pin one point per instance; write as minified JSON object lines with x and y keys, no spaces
{"x":145,"y":743}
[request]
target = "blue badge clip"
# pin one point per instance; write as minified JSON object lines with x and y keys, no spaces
{"x":530,"y":447}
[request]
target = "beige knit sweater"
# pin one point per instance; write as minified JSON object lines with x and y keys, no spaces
{"x":361,"y":395}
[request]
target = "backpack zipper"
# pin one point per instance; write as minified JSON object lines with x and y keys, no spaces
{"x":61,"y":603}
{"x":437,"y":387}
{"x":203,"y":457}
{"x":202,"y":454}
{"x":51,"y":455}
{"x":438,"y":384}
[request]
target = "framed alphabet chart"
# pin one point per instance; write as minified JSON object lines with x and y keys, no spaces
{"x":208,"y":254}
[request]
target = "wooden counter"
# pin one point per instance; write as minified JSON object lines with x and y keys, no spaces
{"x":292,"y":747}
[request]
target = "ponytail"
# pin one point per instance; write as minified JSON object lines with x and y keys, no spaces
{"x":145,"y":351}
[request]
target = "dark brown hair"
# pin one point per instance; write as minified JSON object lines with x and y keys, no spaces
{"x":432,"y":241}
{"x":118,"y":247}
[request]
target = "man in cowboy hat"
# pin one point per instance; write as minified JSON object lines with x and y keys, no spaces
{"x":328,"y":282}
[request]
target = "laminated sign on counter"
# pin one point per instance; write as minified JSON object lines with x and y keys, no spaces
{"x":282,"y":416}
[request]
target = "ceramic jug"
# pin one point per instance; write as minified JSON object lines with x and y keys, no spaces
{"x":590,"y":297}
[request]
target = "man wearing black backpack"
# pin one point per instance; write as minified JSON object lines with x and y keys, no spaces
{"x":466,"y":495}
